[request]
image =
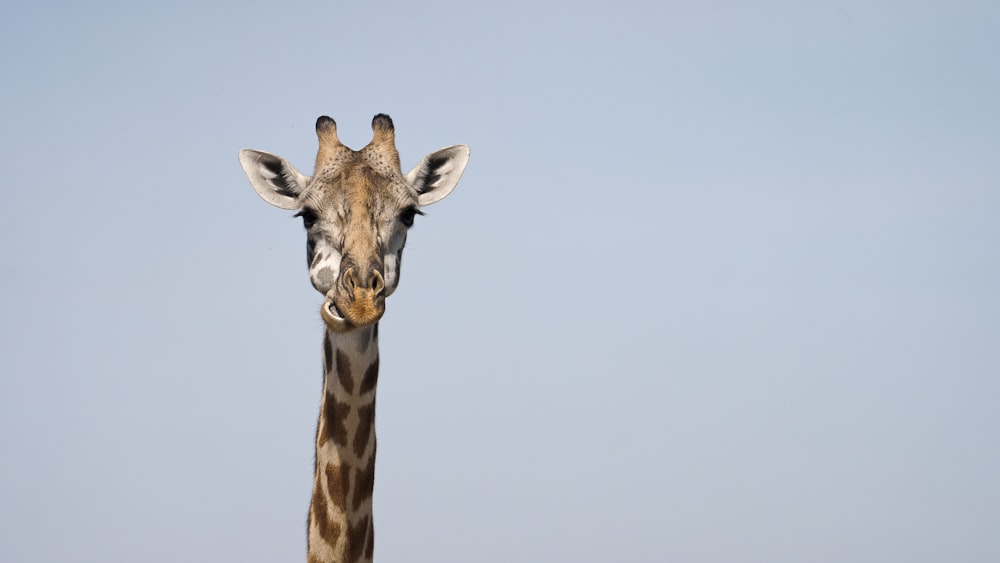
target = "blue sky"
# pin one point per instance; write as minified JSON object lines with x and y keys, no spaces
{"x":719,"y":283}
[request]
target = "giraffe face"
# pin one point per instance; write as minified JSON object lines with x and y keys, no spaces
{"x":356,"y":222}
{"x":356,"y":210}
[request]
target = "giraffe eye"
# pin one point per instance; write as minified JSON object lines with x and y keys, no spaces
{"x":308,"y":218}
{"x":406,"y":217}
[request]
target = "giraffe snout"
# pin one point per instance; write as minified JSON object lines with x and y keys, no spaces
{"x":359,"y":299}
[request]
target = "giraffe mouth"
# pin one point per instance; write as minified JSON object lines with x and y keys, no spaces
{"x":334,"y":312}
{"x":333,"y":317}
{"x":351,"y":314}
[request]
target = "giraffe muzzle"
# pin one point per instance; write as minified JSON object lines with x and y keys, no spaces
{"x":357,"y":301}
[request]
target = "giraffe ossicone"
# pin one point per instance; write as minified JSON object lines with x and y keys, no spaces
{"x":356,"y":208}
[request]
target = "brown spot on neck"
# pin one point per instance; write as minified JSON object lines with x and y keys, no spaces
{"x":357,"y":538}
{"x":370,"y":378}
{"x":344,"y":372}
{"x":335,"y":419}
{"x":327,"y":353}
{"x":366,"y":427}
{"x":364,"y":483}
{"x":370,"y":548}
{"x":319,"y":513}
{"x":338,"y":482}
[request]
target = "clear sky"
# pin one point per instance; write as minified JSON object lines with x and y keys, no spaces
{"x":720,"y":283}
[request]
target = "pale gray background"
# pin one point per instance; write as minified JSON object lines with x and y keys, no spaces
{"x":720,"y":283}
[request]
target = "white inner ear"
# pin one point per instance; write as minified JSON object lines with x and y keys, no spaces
{"x":274,"y":178}
{"x":444,"y":169}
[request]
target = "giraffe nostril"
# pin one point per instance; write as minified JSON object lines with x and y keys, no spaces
{"x":349,"y":282}
{"x":378,"y":283}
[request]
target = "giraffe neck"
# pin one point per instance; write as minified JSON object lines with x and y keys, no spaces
{"x":340,"y":514}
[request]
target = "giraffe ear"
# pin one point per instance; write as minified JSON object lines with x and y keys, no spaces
{"x":274,"y":178}
{"x":438,"y":173}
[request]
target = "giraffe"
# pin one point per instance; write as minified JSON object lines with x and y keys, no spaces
{"x":356,"y":209}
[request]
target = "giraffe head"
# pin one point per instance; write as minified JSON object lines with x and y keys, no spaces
{"x":356,"y":208}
